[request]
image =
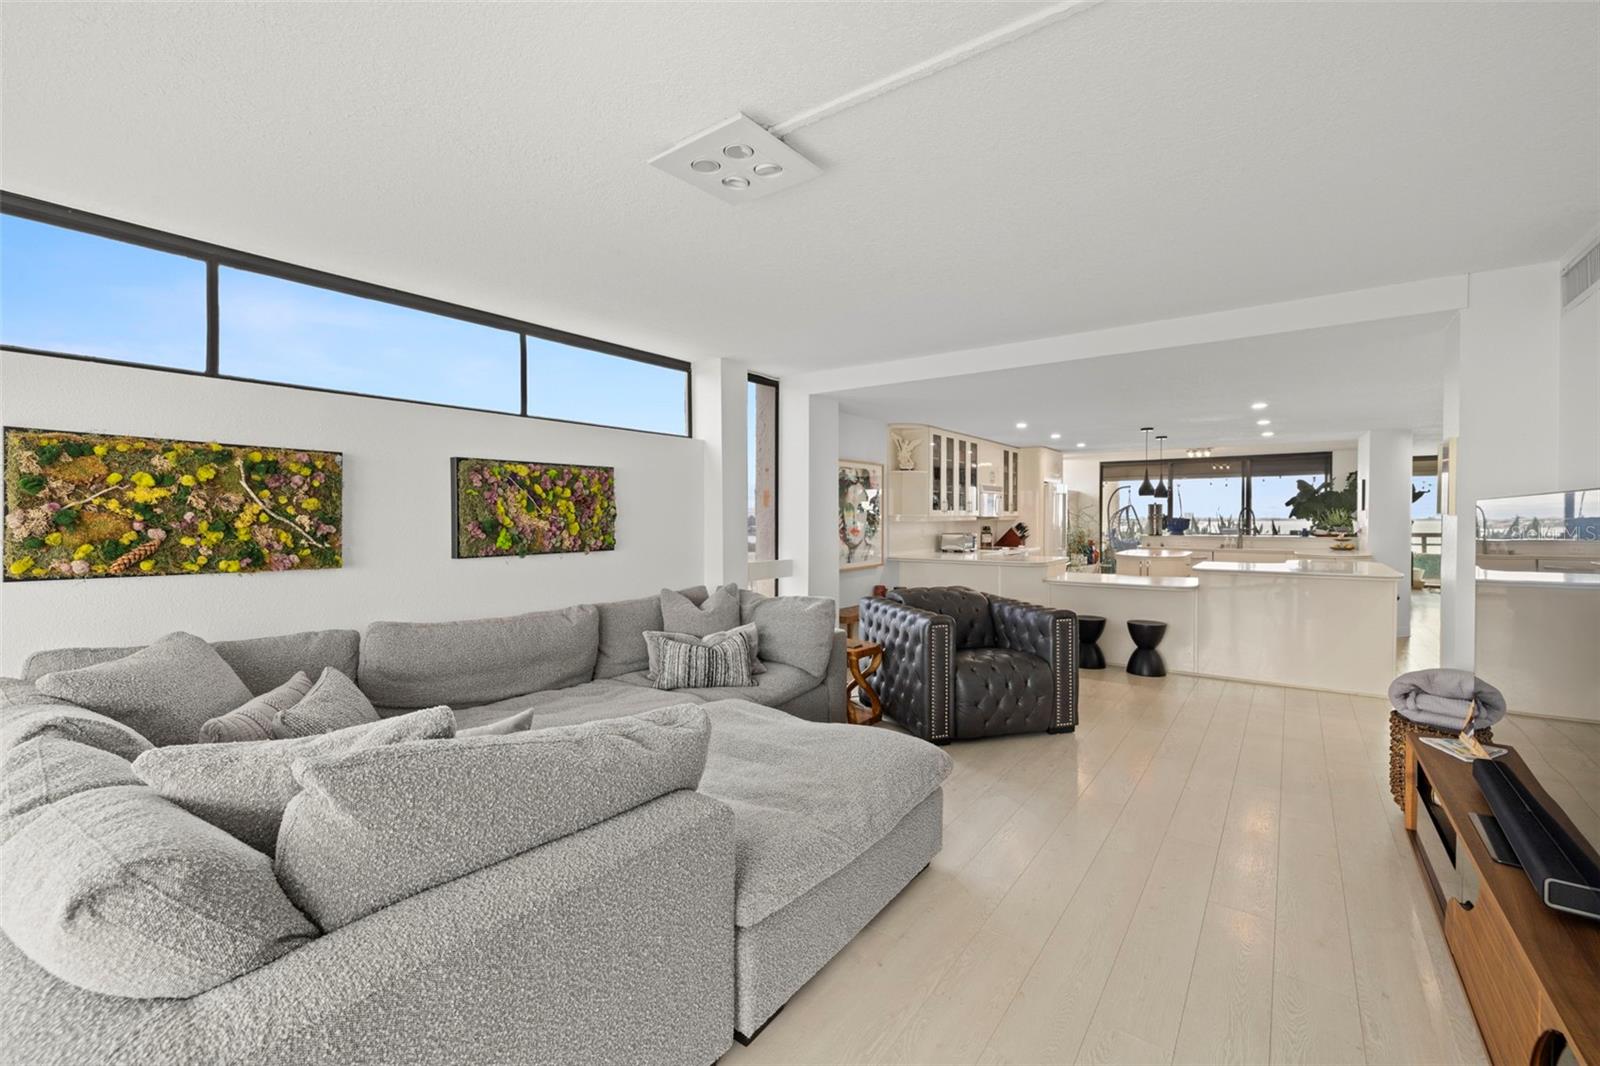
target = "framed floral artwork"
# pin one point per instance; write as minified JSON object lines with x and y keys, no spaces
{"x":860,"y":514}
{"x":82,"y":505}
{"x":512,"y":508}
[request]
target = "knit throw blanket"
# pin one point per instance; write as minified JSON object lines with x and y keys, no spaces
{"x":1442,"y":699}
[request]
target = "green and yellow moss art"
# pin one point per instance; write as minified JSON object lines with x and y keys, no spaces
{"x":506,"y":508}
{"x":80,"y":505}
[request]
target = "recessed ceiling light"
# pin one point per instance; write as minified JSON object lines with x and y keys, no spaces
{"x":766,"y":170}
{"x":705,"y":166}
{"x":1263,"y":421}
{"x":1266,"y":433}
{"x":1083,"y":444}
{"x":736,"y":182}
{"x":1055,"y":436}
{"x":738,"y":151}
{"x":1022,"y":425}
{"x":1259,"y":405}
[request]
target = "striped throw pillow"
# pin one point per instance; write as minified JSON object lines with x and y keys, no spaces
{"x":691,"y":664}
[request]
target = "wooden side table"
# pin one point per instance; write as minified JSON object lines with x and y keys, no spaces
{"x":849,"y":619}
{"x":864,"y":657}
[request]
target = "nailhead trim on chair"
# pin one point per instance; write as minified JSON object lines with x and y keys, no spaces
{"x":939,"y":664}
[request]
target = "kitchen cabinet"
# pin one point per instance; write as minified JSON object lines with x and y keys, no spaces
{"x":1139,"y":562}
{"x":945,"y":480}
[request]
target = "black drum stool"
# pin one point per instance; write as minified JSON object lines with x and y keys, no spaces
{"x":1145,"y":660}
{"x":1090,"y":626}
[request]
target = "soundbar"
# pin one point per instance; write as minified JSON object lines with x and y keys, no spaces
{"x":1563,"y":872}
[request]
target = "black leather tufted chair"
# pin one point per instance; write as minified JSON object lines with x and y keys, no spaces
{"x":959,"y":664}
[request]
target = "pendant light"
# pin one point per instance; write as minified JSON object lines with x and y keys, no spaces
{"x":1161,"y":490}
{"x":1145,"y":488}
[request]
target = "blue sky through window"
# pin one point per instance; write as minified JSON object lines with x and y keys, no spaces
{"x":79,"y":294}
{"x":65,"y":291}
{"x":280,"y":330}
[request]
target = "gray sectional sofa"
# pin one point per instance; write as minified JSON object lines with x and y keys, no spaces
{"x":589,"y":870}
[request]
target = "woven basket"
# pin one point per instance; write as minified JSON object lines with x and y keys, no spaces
{"x":1399,"y":729}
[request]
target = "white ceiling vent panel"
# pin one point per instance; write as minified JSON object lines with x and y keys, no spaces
{"x":736,"y":161}
{"x":1581,"y":276}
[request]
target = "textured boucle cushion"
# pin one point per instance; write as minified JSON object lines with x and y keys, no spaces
{"x":422,"y":664}
{"x":110,"y":887}
{"x":622,"y":627}
{"x":244,"y":788}
{"x":334,"y":702}
{"x":15,"y":692}
{"x":166,"y":691}
{"x":797,"y":630}
{"x":255,"y":720}
{"x":719,"y":612}
{"x":653,"y":641}
{"x":693,"y":664}
{"x":347,"y":848}
{"x":262,"y":663}
{"x":19,"y":724}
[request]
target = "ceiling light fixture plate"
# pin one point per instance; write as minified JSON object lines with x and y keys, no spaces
{"x":742,"y":148}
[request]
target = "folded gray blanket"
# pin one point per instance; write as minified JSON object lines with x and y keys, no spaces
{"x":1441,"y":699}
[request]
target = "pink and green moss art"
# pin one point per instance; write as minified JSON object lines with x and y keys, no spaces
{"x":81,"y":505}
{"x":508,"y":508}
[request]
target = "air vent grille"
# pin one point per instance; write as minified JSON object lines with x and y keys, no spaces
{"x":1581,"y":276}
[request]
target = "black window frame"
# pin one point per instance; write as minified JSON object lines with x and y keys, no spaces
{"x":1164,"y":470}
{"x":216,"y":256}
{"x":777,"y":426}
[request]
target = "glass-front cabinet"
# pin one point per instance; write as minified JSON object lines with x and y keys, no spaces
{"x":950,"y":472}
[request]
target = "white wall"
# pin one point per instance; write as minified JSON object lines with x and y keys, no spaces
{"x":1384,"y":477}
{"x":397,"y":524}
{"x":864,"y":438}
{"x":808,"y":487}
{"x":719,"y":392}
{"x":1501,"y":385}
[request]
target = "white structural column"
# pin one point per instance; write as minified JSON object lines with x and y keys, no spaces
{"x":1580,"y":393}
{"x":1383,"y":505}
{"x":1501,"y":386}
{"x":720,"y":414}
{"x":808,"y":492}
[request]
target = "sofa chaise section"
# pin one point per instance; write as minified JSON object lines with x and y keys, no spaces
{"x":612,"y":943}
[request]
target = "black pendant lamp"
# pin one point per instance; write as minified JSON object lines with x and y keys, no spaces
{"x":1145,"y":488}
{"x":1162,"y":492}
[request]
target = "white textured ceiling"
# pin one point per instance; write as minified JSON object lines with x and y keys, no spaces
{"x":1322,"y":387}
{"x":1138,"y":161}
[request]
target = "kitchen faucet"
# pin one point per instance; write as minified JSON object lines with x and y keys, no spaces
{"x":1247,"y":519}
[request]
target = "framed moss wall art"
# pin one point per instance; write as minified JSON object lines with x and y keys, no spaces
{"x":84,"y":505}
{"x":512,"y":508}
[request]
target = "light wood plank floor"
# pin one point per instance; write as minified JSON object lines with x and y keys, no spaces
{"x":1204,"y":872}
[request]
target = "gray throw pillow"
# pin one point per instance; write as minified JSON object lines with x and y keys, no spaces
{"x":654,"y":639}
{"x":334,"y":702}
{"x":118,"y":891}
{"x":347,"y":849}
{"x":256,"y":719}
{"x":691,"y":664}
{"x":719,"y":612}
{"x":243,"y":788}
{"x":166,"y":691}
{"x":795,"y":630}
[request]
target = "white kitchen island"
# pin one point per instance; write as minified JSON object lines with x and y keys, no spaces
{"x":1324,"y":623}
{"x":1309,"y":623}
{"x":1018,"y":573}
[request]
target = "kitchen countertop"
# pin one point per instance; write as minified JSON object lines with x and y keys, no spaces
{"x":1153,"y":553}
{"x":987,"y":556}
{"x":1543,"y":579}
{"x":1127,"y":581}
{"x":1320,"y":567}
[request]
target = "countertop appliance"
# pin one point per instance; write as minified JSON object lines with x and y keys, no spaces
{"x":958,"y":542}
